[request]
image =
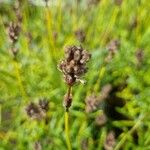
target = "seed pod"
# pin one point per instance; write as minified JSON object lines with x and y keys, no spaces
{"x":67,"y":101}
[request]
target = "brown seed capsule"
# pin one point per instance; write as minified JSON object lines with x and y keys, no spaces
{"x":67,"y":101}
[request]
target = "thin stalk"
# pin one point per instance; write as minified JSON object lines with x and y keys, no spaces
{"x":68,"y":142}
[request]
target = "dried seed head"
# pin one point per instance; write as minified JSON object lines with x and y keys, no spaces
{"x":112,"y":47}
{"x":80,"y":35}
{"x":101,"y":119}
{"x":34,"y":111}
{"x":105,"y":91}
{"x":44,"y":104}
{"x":110,"y":141}
{"x":67,"y":101}
{"x":13,"y":32}
{"x":92,"y":103}
{"x":74,"y":64}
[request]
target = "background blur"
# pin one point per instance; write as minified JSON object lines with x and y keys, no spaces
{"x":111,"y":110}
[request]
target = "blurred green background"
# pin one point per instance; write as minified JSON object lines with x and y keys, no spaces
{"x":117,"y":34}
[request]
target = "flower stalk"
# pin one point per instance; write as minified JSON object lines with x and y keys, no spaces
{"x":73,"y":66}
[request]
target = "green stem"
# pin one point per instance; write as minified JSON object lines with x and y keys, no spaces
{"x":67,"y":130}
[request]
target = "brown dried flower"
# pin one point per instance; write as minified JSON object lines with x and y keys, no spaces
{"x":112,"y":47}
{"x":110,"y":141}
{"x":13,"y":32}
{"x":34,"y":111}
{"x":44,"y":104}
{"x":105,"y":91}
{"x":74,"y":64}
{"x":92,"y":102}
{"x":80,"y":35}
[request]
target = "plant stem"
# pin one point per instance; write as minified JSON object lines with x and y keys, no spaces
{"x":67,"y":130}
{"x":67,"y":121}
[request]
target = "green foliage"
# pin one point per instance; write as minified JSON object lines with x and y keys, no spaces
{"x":35,"y":75}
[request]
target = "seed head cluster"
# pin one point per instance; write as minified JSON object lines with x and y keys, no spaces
{"x":37,"y":111}
{"x":93,"y":101}
{"x":74,"y":64}
{"x":13,"y":32}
